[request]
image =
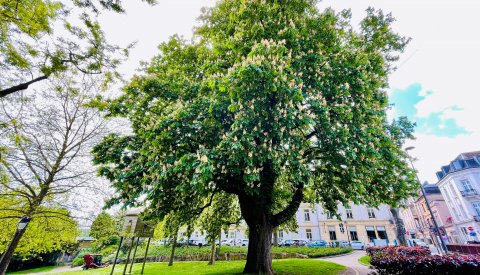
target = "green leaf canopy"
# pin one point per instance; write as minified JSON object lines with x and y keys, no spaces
{"x":273,"y":101}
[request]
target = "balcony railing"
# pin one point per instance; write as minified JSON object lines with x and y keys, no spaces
{"x":468,"y":193}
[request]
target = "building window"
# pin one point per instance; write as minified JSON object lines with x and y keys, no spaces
{"x":306,"y":215}
{"x":371,"y":233}
{"x":329,"y":215}
{"x":349,"y":213}
{"x":467,"y":186}
{"x":308,"y":232}
{"x":382,"y":234}
{"x":342,"y":229}
{"x":476,"y":206}
{"x":280,"y":234}
{"x":371,"y":212}
{"x":332,"y":233}
{"x":231,"y":234}
{"x":353,"y":233}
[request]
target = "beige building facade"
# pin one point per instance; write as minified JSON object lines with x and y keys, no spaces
{"x":356,"y":223}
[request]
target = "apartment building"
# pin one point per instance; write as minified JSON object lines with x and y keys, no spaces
{"x":357,"y":222}
{"x":459,"y":183}
{"x":418,"y":220}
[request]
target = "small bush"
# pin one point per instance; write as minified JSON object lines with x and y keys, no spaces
{"x":78,"y":260}
{"x":415,"y":260}
{"x":398,"y":250}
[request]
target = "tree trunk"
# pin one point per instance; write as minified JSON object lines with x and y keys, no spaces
{"x":260,"y":229}
{"x":219,"y":243}
{"x":257,"y":212}
{"x":399,"y":225}
{"x":259,"y":257}
{"x":275,"y":236}
{"x":174,"y":244}
{"x":212,"y":254}
{"x":7,"y":256}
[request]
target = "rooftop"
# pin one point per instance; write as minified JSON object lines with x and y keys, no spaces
{"x":431,"y":189}
{"x":463,"y":161}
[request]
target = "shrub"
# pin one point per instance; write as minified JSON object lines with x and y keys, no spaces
{"x":415,"y":260}
{"x":313,"y":252}
{"x":398,"y":250}
{"x":78,"y":260}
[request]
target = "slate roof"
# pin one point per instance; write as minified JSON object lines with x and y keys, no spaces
{"x":463,"y":161}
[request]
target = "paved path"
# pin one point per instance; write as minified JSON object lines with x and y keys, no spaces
{"x":351,"y":261}
{"x":60,"y":269}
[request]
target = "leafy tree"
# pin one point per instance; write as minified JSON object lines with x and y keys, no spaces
{"x":46,"y":140}
{"x":223,"y":212}
{"x":32,"y":51}
{"x":273,"y":102}
{"x":103,"y":226}
{"x":45,"y":234}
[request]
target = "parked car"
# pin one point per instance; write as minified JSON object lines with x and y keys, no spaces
{"x":300,"y":242}
{"x":242,"y":242}
{"x":181,"y":242}
{"x":472,"y":242}
{"x":285,"y":243}
{"x":228,"y":242}
{"x":198,"y":242}
{"x":294,"y":242}
{"x":357,"y":245}
{"x":343,"y":244}
{"x":318,"y":243}
{"x":161,"y":242}
{"x":417,"y":242}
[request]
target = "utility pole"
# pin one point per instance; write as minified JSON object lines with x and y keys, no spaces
{"x":426,"y":200}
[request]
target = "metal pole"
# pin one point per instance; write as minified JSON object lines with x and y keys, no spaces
{"x":145,"y":257}
{"x":133,"y":257}
{"x":428,"y":206}
{"x":348,"y":233}
{"x":116,"y":255}
{"x":7,"y":255}
{"x":128,"y":256}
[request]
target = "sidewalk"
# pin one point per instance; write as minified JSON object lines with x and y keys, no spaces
{"x":351,"y":261}
{"x":60,"y":269}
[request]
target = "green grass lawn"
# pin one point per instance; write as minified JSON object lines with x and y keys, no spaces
{"x":287,"y":266}
{"x":365,"y":260}
{"x":33,"y":270}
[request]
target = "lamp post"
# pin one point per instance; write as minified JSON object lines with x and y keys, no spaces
{"x":426,"y":200}
{"x":7,"y":255}
{"x":348,"y":233}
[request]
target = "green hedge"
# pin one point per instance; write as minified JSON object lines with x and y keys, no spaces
{"x":109,"y":252}
{"x":313,"y":252}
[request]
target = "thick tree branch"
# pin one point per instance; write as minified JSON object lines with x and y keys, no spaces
{"x":22,"y":86}
{"x":291,"y":209}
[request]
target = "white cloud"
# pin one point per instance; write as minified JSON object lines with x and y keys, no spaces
{"x":443,"y":57}
{"x":433,"y":152}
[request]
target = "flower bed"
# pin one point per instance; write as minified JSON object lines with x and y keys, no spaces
{"x":398,"y":250}
{"x":415,"y":260}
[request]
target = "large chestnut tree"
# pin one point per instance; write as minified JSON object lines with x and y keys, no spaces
{"x":272,"y":101}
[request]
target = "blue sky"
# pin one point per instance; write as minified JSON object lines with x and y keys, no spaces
{"x":434,"y":123}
